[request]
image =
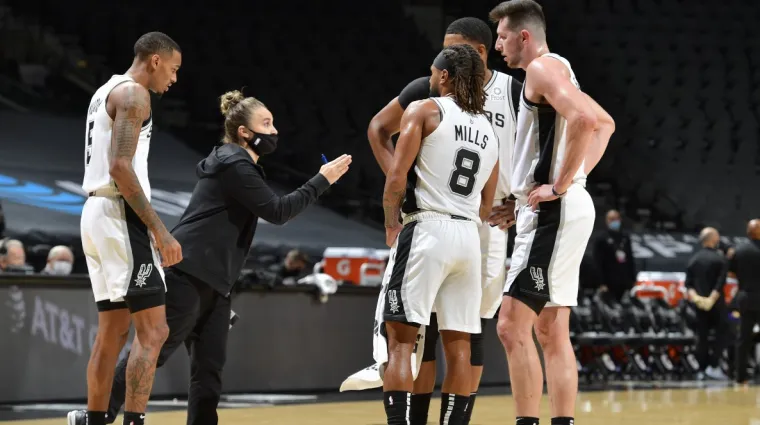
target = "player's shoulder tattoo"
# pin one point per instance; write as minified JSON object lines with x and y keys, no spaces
{"x":135,"y":99}
{"x":133,"y":106}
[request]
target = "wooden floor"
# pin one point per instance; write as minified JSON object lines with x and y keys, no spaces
{"x":729,"y":406}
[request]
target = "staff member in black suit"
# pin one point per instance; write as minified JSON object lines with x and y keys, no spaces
{"x":745,"y":265}
{"x":705,"y":277}
{"x":614,"y":257}
{"x":216,"y":232}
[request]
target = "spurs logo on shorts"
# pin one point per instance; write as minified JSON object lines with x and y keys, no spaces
{"x":143,"y":274}
{"x":393,"y":301}
{"x":537,"y":274}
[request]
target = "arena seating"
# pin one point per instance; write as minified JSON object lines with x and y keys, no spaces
{"x":316,"y":111}
{"x":686,"y":105}
{"x":687,"y":128}
{"x":640,"y":337}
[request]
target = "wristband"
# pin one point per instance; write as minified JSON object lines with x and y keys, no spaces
{"x":558,"y":195}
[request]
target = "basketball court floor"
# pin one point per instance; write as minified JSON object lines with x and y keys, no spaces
{"x":697,"y":405}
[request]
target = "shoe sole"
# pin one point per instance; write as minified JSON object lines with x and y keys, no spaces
{"x":71,"y":418}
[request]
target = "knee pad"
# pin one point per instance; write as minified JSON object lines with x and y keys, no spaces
{"x":431,"y":340}
{"x":535,"y":304}
{"x":476,"y":346}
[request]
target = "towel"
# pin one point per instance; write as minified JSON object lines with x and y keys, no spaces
{"x":372,"y":376}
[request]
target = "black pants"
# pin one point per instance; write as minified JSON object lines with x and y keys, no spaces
{"x":745,"y":344}
{"x":201,"y":316}
{"x":706,"y":321}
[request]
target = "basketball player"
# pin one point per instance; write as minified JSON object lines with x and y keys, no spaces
{"x":119,"y":228}
{"x":502,"y":97}
{"x":561,"y":135}
{"x":452,"y":151}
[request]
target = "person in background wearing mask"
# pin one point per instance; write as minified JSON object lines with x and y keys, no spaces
{"x":216,"y":232}
{"x":745,"y":266}
{"x":60,"y":261}
{"x":614,"y":258}
{"x":13,"y":257}
{"x":705,"y":276}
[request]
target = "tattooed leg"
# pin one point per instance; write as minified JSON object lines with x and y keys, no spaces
{"x":113,"y":328}
{"x":151,"y":332}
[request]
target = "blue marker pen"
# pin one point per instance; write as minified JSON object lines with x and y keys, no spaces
{"x":324,"y":159}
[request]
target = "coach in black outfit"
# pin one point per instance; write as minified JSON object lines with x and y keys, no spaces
{"x":705,"y":277}
{"x":216,"y":232}
{"x":745,"y":265}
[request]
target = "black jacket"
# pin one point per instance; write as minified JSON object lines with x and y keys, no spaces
{"x":746,"y":265}
{"x":614,"y":257}
{"x":706,"y":272}
{"x":218,"y":225}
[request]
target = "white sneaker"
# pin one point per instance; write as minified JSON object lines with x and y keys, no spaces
{"x":715,"y":373}
{"x":77,"y":417}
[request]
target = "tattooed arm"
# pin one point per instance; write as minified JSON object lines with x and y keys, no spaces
{"x":413,"y":126}
{"x":130,"y":103}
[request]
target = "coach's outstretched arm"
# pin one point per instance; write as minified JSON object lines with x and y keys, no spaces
{"x":407,"y":148}
{"x":248,"y":187}
{"x":131,"y":102}
{"x":550,"y":79}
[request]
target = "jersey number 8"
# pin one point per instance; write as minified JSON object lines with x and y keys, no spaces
{"x":466,"y":166}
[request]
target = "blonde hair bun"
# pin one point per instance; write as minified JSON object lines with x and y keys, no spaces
{"x":229,"y":100}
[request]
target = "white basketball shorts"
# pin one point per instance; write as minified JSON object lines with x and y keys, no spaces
{"x":549,"y":248}
{"x":120,"y":257}
{"x":435,"y":263}
{"x":493,"y":254}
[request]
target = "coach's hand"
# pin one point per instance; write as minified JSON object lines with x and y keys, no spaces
{"x":503,"y":215}
{"x":542,"y":193}
{"x":168,"y":248}
{"x":391,"y":233}
{"x":336,"y":168}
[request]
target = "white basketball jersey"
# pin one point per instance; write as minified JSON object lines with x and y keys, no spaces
{"x":540,"y":144}
{"x":501,"y":112}
{"x":453,"y":164}
{"x":98,"y":143}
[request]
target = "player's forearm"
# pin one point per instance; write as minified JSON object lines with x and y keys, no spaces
{"x":598,"y":146}
{"x":382,"y":146}
{"x":579,"y":136}
{"x":488,"y":193}
{"x":130,"y":189}
{"x":393,"y":195}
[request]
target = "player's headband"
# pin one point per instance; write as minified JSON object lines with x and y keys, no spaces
{"x":440,"y":62}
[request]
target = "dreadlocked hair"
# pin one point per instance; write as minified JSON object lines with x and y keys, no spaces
{"x":468,"y":77}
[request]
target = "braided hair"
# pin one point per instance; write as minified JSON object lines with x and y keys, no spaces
{"x":467,"y":75}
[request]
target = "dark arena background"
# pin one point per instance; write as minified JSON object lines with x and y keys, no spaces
{"x":680,"y":78}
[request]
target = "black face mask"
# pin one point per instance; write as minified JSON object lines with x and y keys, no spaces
{"x":262,"y":144}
